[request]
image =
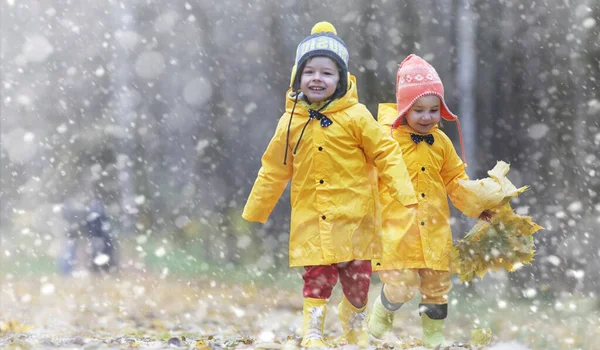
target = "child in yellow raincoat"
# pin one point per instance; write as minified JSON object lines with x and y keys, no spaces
{"x":325,"y":143}
{"x":417,"y":252}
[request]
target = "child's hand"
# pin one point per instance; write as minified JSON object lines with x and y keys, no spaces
{"x":486,"y":215}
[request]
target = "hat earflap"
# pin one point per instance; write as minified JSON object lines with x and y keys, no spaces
{"x":293,"y":76}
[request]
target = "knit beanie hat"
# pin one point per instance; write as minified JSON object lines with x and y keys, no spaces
{"x":417,"y":78}
{"x":322,"y":41}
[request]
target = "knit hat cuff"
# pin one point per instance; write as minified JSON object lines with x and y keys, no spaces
{"x":322,"y":42}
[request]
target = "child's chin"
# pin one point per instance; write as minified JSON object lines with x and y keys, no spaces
{"x":422,"y":129}
{"x":318,"y":98}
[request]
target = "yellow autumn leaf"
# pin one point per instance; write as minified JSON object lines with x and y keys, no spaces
{"x":481,"y":194}
{"x":202,"y":344}
{"x":481,"y":336}
{"x":502,"y":243}
{"x":157,"y":324}
{"x":490,"y":192}
{"x":13,"y":326}
{"x":498,"y":174}
{"x":517,"y":224}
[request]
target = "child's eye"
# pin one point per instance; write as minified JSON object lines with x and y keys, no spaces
{"x":418,"y":110}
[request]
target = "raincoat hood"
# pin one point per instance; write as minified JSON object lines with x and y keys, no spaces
{"x":387,"y":114}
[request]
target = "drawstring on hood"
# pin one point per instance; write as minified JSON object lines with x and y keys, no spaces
{"x":287,"y":137}
{"x":312,"y":114}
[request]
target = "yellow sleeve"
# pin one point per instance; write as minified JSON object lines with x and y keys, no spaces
{"x":386,"y":154}
{"x":272,"y":177}
{"x":453,"y":170}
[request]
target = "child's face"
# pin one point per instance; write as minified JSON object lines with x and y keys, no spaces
{"x":319,"y":79}
{"x":424,"y":114}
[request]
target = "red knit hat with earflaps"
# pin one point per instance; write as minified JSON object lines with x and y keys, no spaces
{"x":417,"y":78}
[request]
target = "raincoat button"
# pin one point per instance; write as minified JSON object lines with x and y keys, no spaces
{"x":422,"y":168}
{"x":422,"y":195}
{"x":422,"y":223}
{"x":323,"y":217}
{"x":320,"y":148}
{"x":321,"y":181}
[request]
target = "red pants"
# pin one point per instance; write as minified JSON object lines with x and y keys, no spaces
{"x":355,"y":277}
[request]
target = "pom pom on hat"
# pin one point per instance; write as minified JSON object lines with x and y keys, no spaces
{"x":323,"y":27}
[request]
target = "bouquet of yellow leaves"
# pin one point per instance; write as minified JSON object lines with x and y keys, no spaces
{"x":505,"y":241}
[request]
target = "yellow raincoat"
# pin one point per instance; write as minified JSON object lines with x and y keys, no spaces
{"x":424,"y":241}
{"x":335,"y":208}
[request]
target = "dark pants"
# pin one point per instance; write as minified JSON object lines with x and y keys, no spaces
{"x":355,"y":277}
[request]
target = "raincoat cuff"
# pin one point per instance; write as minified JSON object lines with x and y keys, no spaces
{"x":254,"y":217}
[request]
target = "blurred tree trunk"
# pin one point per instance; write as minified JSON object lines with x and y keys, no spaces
{"x":492,"y":41}
{"x":467,"y":71}
{"x":587,"y":72}
{"x":220,"y":244}
{"x":462,"y":89}
{"x":122,"y":83}
{"x":368,"y":31}
{"x":587,"y":143}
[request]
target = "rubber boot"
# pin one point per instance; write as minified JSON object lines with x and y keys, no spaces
{"x":380,"y":320}
{"x":433,"y":319}
{"x":354,"y":324}
{"x":313,"y":322}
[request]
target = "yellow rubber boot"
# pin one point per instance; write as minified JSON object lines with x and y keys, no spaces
{"x":380,"y":320}
{"x":354,"y":324}
{"x":313,"y":321}
{"x":432,"y":332}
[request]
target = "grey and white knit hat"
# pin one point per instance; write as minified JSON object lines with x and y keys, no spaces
{"x":322,"y":41}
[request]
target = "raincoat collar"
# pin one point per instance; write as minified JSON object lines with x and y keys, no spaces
{"x":388,"y":112}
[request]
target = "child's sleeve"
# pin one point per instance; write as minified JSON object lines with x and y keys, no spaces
{"x":272,"y":177}
{"x":453,"y":170}
{"x":386,"y":154}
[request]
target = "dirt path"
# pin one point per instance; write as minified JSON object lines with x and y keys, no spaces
{"x":150,"y":312}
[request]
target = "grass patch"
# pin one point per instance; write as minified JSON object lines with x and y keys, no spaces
{"x":28,"y":266}
{"x":159,"y":256}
